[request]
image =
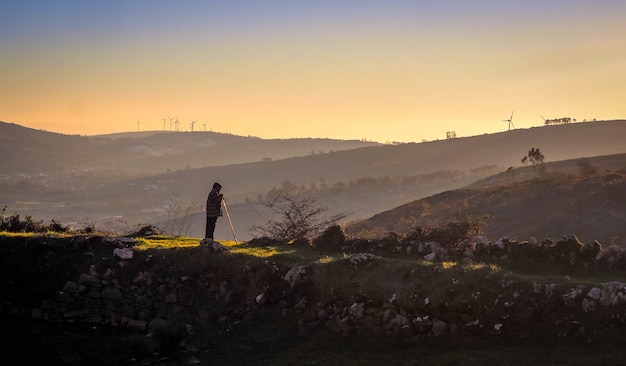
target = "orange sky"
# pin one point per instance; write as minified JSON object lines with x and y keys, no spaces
{"x":398,"y":71}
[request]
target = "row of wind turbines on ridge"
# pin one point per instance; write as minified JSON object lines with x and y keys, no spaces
{"x":175,"y":123}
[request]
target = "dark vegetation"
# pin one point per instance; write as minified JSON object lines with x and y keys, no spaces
{"x":491,"y":305}
{"x":15,"y":224}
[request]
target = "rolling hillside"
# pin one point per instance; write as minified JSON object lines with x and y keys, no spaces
{"x":586,"y":200}
{"x":28,"y":151}
{"x":117,"y":186}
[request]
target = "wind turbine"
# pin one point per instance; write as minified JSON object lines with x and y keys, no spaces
{"x":176,"y":124}
{"x":510,"y":121}
{"x":138,"y":125}
{"x":204,"y":126}
{"x":163,"y":119}
{"x":192,"y":124}
{"x":171,"y":119}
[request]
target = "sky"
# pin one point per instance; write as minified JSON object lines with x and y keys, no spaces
{"x":394,"y":70}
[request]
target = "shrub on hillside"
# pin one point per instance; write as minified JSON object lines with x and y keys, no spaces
{"x":454,"y":235}
{"x":300,"y":217}
{"x":333,"y":237}
{"x":15,"y":224}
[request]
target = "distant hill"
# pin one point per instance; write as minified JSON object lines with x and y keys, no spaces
{"x":29,"y":151}
{"x":585,"y":197}
{"x":134,"y":179}
{"x":463,"y":154}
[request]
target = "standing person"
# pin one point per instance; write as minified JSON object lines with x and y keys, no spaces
{"x":213,"y":209}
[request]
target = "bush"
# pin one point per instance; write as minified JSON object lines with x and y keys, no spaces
{"x":454,"y":235}
{"x":299,"y":216}
{"x":15,"y":224}
{"x":333,"y":237}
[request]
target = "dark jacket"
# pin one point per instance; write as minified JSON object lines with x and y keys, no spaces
{"x":214,"y":204}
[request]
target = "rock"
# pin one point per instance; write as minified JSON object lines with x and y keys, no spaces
{"x":431,"y":257}
{"x":500,"y":243}
{"x":119,"y":241}
{"x":136,"y":324}
{"x":261,"y":299}
{"x":73,"y":288}
{"x":588,"y":305}
{"x":111,"y":293}
{"x":610,"y":255}
{"x":193,"y":361}
{"x":300,"y":305}
{"x":123,"y":253}
{"x":171,"y":297}
{"x":357,"y":310}
{"x":397,"y":321}
{"x":295,"y":274}
{"x":568,"y":248}
{"x":482,"y":240}
{"x":423,"y":323}
{"x":147,"y":231}
{"x":594,"y":293}
{"x":359,"y":258}
{"x":87,"y":279}
{"x":439,"y":327}
{"x":591,"y":250}
{"x":78,"y":313}
{"x":613,"y":293}
{"x":214,"y":246}
{"x":573,"y":294}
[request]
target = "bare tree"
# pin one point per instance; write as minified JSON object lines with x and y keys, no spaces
{"x":179,"y":218}
{"x":299,"y":215}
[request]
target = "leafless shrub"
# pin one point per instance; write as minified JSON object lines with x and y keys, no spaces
{"x":179,"y":217}
{"x":299,"y":216}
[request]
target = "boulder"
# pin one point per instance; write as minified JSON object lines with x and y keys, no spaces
{"x":123,"y":253}
{"x":357,"y":310}
{"x":613,"y":293}
{"x":359,"y":258}
{"x":295,"y":274}
{"x":214,"y":246}
{"x":439,"y":327}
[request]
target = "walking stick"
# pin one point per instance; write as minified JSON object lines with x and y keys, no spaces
{"x":229,"y":221}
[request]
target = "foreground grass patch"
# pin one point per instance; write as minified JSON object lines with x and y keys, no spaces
{"x":166,"y":242}
{"x":49,"y":234}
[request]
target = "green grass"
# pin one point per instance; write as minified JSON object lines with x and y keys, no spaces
{"x":48,"y":234}
{"x":166,"y":242}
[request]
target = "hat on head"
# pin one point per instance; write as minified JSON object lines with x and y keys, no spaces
{"x":217,"y":185}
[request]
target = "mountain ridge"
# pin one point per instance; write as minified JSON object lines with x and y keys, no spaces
{"x":29,"y":151}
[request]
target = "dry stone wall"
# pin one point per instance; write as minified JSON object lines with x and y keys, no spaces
{"x":101,"y":290}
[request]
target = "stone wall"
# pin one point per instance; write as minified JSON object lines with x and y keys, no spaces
{"x":100,"y":289}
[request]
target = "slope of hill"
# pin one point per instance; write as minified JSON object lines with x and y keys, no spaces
{"x":502,"y":150}
{"x":590,"y":204}
{"x":27,"y":151}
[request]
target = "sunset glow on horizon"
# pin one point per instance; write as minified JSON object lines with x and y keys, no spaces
{"x":383,"y":71}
